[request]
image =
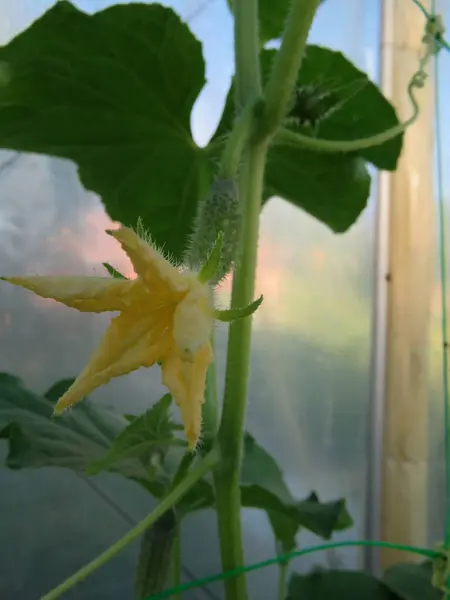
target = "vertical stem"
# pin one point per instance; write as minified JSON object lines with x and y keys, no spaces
{"x":246,"y":52}
{"x":282,"y":573}
{"x":210,"y":409}
{"x":248,"y":90}
{"x":226,"y":477}
{"x":279,"y":88}
{"x":236,"y":142}
{"x":176,"y":563}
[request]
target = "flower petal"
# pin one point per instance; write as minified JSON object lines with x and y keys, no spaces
{"x":186,"y":380}
{"x":86,"y":294}
{"x":193,"y":318}
{"x":127,"y":345}
{"x":156,"y":272}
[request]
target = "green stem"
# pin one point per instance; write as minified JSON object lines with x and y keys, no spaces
{"x":226,"y":476}
{"x":248,"y":91}
{"x":210,"y":409}
{"x":282,"y":574}
{"x":290,"y":138}
{"x":236,"y":142}
{"x":279,"y":88}
{"x":169,"y":501}
{"x":286,"y":137}
{"x":183,"y":468}
{"x":246,"y":43}
{"x":176,"y":564}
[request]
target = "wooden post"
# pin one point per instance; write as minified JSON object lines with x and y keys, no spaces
{"x":404,"y":511}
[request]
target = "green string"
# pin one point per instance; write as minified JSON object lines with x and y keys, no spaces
{"x":433,"y":554}
{"x":440,"y":555}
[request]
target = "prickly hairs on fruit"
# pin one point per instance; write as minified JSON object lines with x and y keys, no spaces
{"x":219,"y":213}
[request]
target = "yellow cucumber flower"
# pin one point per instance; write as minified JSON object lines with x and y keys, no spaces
{"x":166,"y":316}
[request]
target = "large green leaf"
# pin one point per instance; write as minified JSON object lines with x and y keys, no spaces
{"x":148,"y":438}
{"x":358,"y":108}
{"x":322,"y":518}
{"x":113,"y":92}
{"x":260,"y":469}
{"x":272,"y":18}
{"x":72,"y":440}
{"x":263,"y":487}
{"x":338,"y":585}
{"x":333,"y":188}
{"x":91,"y":438}
{"x":412,"y":581}
{"x":361,"y":108}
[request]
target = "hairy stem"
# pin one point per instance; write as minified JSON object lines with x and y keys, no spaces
{"x":279,"y":88}
{"x":168,"y":502}
{"x":230,"y":438}
{"x":251,"y":178}
{"x":226,"y":478}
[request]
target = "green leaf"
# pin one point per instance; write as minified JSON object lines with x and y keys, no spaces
{"x":212,"y":263}
{"x":333,"y":188}
{"x":148,"y":438}
{"x":113,"y":92}
{"x":260,"y":469}
{"x":322,"y":518}
{"x":113,"y":272}
{"x":338,"y":585}
{"x":358,"y":108}
{"x":263,"y":487}
{"x":37,"y":440}
{"x":412,"y":581}
{"x":238,"y":313}
{"x":272,"y":18}
{"x":361,"y":108}
{"x":130,"y":418}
